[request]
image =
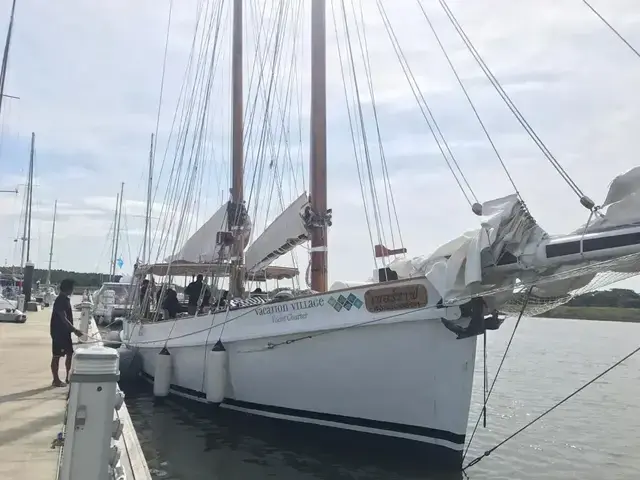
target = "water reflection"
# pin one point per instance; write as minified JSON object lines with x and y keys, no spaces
{"x":180,"y":436}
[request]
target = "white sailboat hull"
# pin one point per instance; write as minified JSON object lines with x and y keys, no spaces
{"x":398,"y":375}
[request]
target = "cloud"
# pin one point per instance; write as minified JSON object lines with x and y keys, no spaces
{"x":88,"y":77}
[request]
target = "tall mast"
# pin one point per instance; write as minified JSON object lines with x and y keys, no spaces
{"x":112,"y":263}
{"x":30,"y":195}
{"x":318,"y":160}
{"x":117,"y":234}
{"x":5,"y":55}
{"x":53,"y":234}
{"x":235,"y":214}
{"x":26,"y":217}
{"x":147,"y":219}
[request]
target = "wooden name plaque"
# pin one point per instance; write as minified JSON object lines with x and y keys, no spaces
{"x":403,"y":297}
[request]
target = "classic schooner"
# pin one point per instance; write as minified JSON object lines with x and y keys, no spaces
{"x":390,"y":359}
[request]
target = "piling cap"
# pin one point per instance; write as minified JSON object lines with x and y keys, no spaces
{"x":96,"y":360}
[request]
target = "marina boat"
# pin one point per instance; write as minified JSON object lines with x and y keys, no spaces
{"x":391,"y":358}
{"x":10,"y":286}
{"x":110,"y":301}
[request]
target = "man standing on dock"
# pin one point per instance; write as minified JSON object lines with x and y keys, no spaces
{"x":61,"y":329}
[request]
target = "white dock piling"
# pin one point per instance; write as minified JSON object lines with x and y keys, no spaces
{"x":21,"y":305}
{"x":88,"y":451}
{"x":85,"y":308}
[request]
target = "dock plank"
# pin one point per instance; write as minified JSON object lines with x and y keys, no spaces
{"x":31,"y":411}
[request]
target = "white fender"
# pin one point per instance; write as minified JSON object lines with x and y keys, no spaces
{"x":162,"y":377}
{"x":216,"y":373}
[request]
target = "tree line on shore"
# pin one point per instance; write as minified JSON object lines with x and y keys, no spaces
{"x":615,"y":297}
{"x":81,"y":279}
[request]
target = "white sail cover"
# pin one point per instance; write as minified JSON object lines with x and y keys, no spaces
{"x":284,"y":234}
{"x":622,"y":203}
{"x":456,"y":268}
{"x":201,"y":246}
{"x":469,"y":264}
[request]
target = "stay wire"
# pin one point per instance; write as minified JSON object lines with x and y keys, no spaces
{"x":426,"y":110}
{"x":512,"y":107}
{"x":483,"y":412}
{"x":549,"y":410}
{"x":468,"y":97}
{"x":612,"y":28}
{"x":352,"y":130}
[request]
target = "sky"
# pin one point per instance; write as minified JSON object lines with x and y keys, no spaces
{"x":89,"y":76}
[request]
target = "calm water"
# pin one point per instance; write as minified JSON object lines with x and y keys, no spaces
{"x":596,"y":435}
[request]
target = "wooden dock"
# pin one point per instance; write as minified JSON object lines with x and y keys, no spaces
{"x":31,"y":411}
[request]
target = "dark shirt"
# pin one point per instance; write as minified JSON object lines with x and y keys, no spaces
{"x":193,"y":290}
{"x":61,"y":317}
{"x":171,"y":304}
{"x":143,"y":292}
{"x":206,"y":298}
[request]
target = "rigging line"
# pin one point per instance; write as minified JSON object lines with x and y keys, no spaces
{"x":611,"y":27}
{"x":259,"y":170}
{"x":422,"y":104}
{"x":363,"y":129}
{"x":260,"y":67}
{"x":164,"y":69}
{"x":285,"y":111}
{"x":549,"y":410}
{"x":383,"y":157}
{"x":468,"y":97}
{"x":505,"y":97}
{"x":367,"y":155}
{"x":407,"y":70}
{"x":351,"y":128}
{"x":366,"y":60}
{"x":189,"y":107}
{"x":271,"y":346}
{"x":495,"y":378}
{"x":281,"y":104}
{"x":183,"y":88}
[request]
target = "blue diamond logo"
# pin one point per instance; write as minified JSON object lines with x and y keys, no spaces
{"x":357,"y":303}
{"x":332,"y":301}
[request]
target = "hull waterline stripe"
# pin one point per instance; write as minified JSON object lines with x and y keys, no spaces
{"x":345,"y":426}
{"x":412,"y":432}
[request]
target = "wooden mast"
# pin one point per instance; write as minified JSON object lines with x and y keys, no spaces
{"x":318,"y":157}
{"x":235,"y":213}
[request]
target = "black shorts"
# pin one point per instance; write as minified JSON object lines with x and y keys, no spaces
{"x":61,"y":347}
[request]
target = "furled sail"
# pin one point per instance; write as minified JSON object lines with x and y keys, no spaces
{"x":511,"y":251}
{"x":284,"y":234}
{"x":201,"y":247}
